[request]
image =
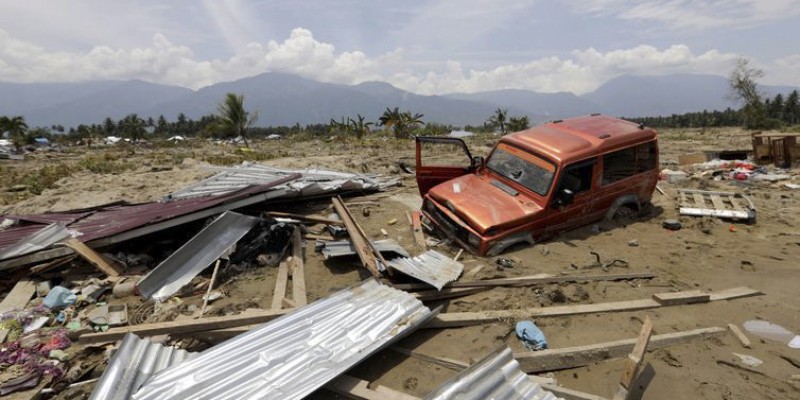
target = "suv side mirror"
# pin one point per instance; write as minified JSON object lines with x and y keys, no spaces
{"x":564,"y":198}
{"x":477,"y":162}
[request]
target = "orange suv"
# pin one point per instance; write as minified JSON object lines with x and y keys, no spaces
{"x":537,"y":182}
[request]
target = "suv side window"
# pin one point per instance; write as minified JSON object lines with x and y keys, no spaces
{"x":577,"y":177}
{"x":627,"y":162}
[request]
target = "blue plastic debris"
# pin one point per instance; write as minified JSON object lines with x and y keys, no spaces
{"x":531,"y":336}
{"x":59,"y":297}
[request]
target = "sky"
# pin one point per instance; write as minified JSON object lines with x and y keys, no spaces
{"x":424,"y":46}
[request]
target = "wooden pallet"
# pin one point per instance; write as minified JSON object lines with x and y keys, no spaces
{"x":727,"y":205}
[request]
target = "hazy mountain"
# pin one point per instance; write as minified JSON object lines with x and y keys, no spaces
{"x":284,"y":99}
{"x":541,"y":106}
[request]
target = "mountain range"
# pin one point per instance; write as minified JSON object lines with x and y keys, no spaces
{"x":285,"y":99}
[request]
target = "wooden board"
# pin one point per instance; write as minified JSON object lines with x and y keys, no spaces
{"x":280,"y":285}
{"x":578,"y":356}
{"x":360,"y":242}
{"x":531,"y":280}
{"x":106,"y":266}
{"x":452,"y":320}
{"x":448,"y":363}
{"x":298,"y":271}
{"x":634,"y":360}
{"x":416,"y":229}
{"x":355,"y":388}
{"x":699,"y":202}
{"x":677,"y":298}
{"x":308,"y":218}
{"x":569,"y":394}
{"x":184,"y":326}
{"x":740,"y":335}
{"x":17,"y":299}
{"x":717,"y":202}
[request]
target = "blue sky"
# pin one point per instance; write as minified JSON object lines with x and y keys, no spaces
{"x":428,"y":46}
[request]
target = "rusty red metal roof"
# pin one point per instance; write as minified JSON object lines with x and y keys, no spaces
{"x":107,"y":224}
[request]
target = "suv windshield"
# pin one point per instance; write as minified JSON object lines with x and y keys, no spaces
{"x":533,"y":172}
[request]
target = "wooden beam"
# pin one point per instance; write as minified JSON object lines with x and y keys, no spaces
{"x":312,"y":236}
{"x":532,"y":280}
{"x":360,"y":243}
{"x":416,"y":230}
{"x":448,"y":293}
{"x":106,"y":266}
{"x":740,"y":335}
{"x":184,"y":326}
{"x":280,"y":285}
{"x":298,"y":271}
{"x":634,"y":360}
{"x":440,"y":361}
{"x":355,"y":388}
{"x":17,"y":299}
{"x":453,"y":320}
{"x":579,"y":356}
{"x":678,"y":298}
{"x":317,"y":219}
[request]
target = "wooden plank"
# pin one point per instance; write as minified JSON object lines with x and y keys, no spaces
{"x":298,"y":271}
{"x":452,"y":320}
{"x":683,"y":200}
{"x":280,"y":285}
{"x":740,"y":335}
{"x":717,"y":202}
{"x":317,"y":219}
{"x":579,"y":356}
{"x":569,"y":394}
{"x":634,"y":360}
{"x":416,"y":230}
{"x":448,"y":363}
{"x":360,"y":243}
{"x":735,"y":203}
{"x":532,"y":280}
{"x":448,"y":293}
{"x":319,"y":237}
{"x":699,"y":202}
{"x":106,"y":266}
{"x":355,"y":388}
{"x":17,"y":299}
{"x":184,"y":326}
{"x":677,"y":298}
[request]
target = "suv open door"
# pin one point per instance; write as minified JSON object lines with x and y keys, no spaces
{"x":440,"y":159}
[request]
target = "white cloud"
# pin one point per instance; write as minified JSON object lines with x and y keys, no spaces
{"x":693,"y":15}
{"x":165,"y":62}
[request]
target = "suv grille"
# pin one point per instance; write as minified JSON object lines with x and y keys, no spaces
{"x":450,"y":226}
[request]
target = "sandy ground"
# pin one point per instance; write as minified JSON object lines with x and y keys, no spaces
{"x":706,"y":255}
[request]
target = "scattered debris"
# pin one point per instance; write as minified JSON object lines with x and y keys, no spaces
{"x":768,"y":330}
{"x":531,"y":336}
{"x":748,"y":360}
{"x":672,"y":224}
{"x":430,"y":267}
{"x":699,"y":203}
{"x":603,"y":265}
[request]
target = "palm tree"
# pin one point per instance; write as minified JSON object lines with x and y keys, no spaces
{"x":499,"y":120}
{"x":402,"y":123}
{"x":132,"y":126}
{"x":234,"y":119}
{"x":16,"y":128}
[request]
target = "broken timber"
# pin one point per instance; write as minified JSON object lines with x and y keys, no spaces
{"x":677,"y":298}
{"x":308,"y":218}
{"x":416,"y":229}
{"x":185,"y":326}
{"x":531,"y":280}
{"x":740,"y":336}
{"x":452,"y":320}
{"x":280,"y":285}
{"x":579,"y":356}
{"x":634,"y":360}
{"x":362,"y":245}
{"x":456,"y":320}
{"x":93,"y":257}
{"x":17,"y":299}
{"x":355,"y":388}
{"x":298,"y":271}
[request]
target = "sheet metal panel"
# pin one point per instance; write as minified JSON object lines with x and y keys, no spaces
{"x":37,"y":240}
{"x":343,"y":248}
{"x":314,"y":181}
{"x":431,"y":267}
{"x":195,"y":255}
{"x":133,"y":362}
{"x":497,"y":376}
{"x":294,"y":355}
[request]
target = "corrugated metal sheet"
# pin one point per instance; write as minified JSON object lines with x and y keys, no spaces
{"x":37,"y":240}
{"x":314,"y":181}
{"x":431,"y":267}
{"x":497,"y":376}
{"x":106,"y":225}
{"x":343,"y":248}
{"x":292,"y":356}
{"x":195,"y":256}
{"x":133,"y":362}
